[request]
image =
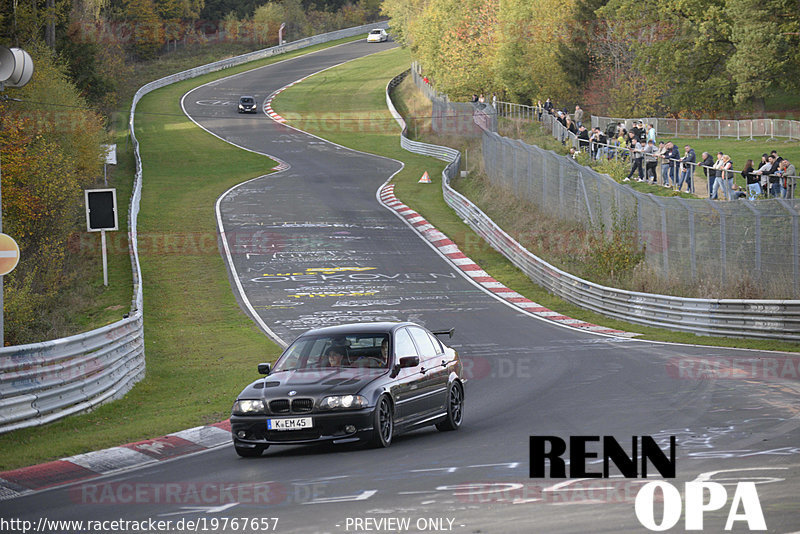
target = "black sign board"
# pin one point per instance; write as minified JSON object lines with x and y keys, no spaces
{"x":101,"y":209}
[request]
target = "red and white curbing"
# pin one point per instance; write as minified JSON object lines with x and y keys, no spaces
{"x":94,"y":464}
{"x":451,"y":251}
{"x":268,"y":101}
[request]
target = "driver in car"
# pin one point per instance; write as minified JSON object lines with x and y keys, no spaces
{"x":384,"y":351}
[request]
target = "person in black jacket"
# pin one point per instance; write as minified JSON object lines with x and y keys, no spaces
{"x":674,"y":156}
{"x":642,"y":135}
{"x":687,"y":163}
{"x":583,"y":138}
{"x":752,"y":179}
{"x":711,"y":174}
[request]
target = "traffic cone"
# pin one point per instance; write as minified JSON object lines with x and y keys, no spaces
{"x":425,"y":179}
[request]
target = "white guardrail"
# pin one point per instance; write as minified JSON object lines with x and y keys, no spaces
{"x":767,"y":319}
{"x":44,"y":382}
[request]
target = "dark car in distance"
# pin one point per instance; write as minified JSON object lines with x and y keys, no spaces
{"x":360,"y":382}
{"x":247,"y":104}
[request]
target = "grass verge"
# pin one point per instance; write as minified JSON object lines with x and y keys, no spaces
{"x":201,"y":348}
{"x":354,"y":93}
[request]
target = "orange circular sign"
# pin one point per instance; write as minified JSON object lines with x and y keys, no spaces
{"x":9,"y":254}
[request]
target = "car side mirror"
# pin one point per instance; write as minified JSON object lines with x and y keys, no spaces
{"x":263,"y":368}
{"x":409,"y":361}
{"x":405,"y":361}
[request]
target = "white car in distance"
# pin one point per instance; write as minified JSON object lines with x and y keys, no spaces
{"x":377,"y":36}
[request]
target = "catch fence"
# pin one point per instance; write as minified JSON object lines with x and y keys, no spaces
{"x":682,"y":237}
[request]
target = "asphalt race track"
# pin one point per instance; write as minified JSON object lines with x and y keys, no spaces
{"x":312,"y":246}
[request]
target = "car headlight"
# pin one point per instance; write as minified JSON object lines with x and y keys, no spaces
{"x":241,"y":106}
{"x":248,"y":407}
{"x":344,"y":402}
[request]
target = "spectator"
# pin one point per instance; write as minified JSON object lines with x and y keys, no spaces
{"x":650,"y":161}
{"x":717,"y":176}
{"x":573,"y":153}
{"x":578,"y":116}
{"x":773,"y":176}
{"x":494,"y":100}
{"x":597,"y":141}
{"x":621,"y":141}
{"x":548,"y":106}
{"x":737,"y":193}
{"x":642,"y":135}
{"x":651,"y":133}
{"x":635,"y":130}
{"x":482,"y":99}
{"x":711,"y":174}
{"x":787,"y":172}
{"x":675,"y":162}
{"x":583,"y":138}
{"x":688,"y":161}
{"x":724,"y":178}
{"x":752,"y":180}
{"x":763,"y":169}
{"x":540,"y":109}
{"x":764,"y":172}
{"x":569,"y":125}
{"x":631,"y":140}
{"x":637,"y":154}
{"x":662,"y":155}
{"x":474,"y":98}
{"x":611,"y":130}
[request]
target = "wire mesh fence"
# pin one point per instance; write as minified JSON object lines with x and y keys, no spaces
{"x":740,"y":129}
{"x":689,"y":239}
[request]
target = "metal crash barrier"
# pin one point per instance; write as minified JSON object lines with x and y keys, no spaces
{"x":44,"y":382}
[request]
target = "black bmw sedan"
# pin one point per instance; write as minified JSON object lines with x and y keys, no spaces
{"x":356,"y":382}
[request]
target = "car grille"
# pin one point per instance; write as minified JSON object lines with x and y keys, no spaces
{"x":279,"y":406}
{"x":302,"y":405}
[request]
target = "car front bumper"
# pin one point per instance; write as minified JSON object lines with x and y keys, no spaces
{"x":326,"y":426}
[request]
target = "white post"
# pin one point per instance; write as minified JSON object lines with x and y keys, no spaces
{"x":105,"y":174}
{"x":105,"y":259}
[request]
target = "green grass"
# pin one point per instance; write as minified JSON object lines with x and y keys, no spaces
{"x":356,"y":90}
{"x":201,"y":349}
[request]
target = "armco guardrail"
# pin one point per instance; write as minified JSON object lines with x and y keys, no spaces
{"x":768,"y":319}
{"x":43,"y":382}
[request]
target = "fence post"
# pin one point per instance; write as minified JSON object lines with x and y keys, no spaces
{"x":664,"y":233}
{"x":795,"y":245}
{"x":757,"y":215}
{"x":692,"y":237}
{"x":560,"y":187}
{"x":722,"y":238}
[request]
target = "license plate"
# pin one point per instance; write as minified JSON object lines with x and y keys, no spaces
{"x":289,"y":423}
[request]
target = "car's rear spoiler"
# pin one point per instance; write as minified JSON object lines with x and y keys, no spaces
{"x":444,"y":332}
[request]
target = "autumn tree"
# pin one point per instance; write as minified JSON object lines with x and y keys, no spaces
{"x":50,"y":144}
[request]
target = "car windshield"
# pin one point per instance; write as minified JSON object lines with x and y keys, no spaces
{"x":247,"y":100}
{"x":343,"y":350}
{"x":374,"y":32}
